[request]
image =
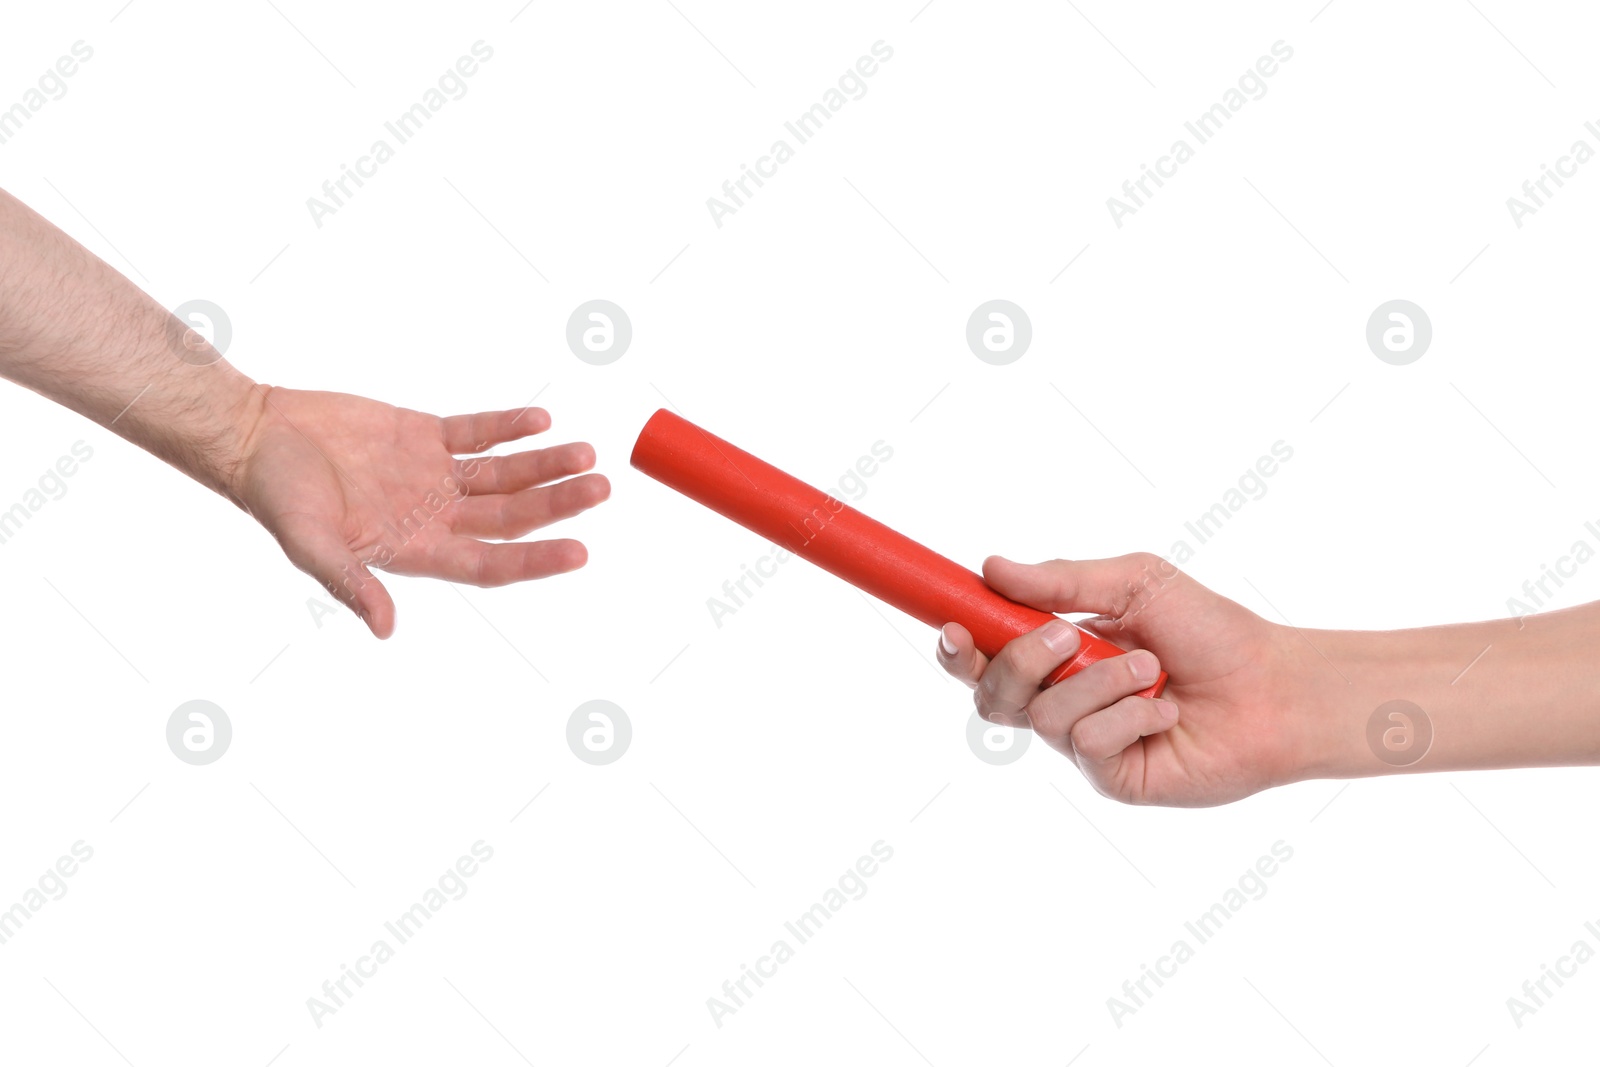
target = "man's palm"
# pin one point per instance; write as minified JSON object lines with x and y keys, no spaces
{"x":342,"y":481}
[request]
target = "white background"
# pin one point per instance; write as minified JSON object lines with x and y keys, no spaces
{"x":827,"y":314}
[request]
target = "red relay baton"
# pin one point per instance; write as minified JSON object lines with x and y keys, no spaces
{"x":841,"y":540}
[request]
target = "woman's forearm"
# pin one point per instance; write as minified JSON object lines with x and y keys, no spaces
{"x":1507,"y":693}
{"x":76,"y":331}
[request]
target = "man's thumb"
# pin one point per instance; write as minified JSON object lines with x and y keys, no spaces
{"x":325,"y":556}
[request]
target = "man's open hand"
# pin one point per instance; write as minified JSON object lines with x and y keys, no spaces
{"x":343,"y":482}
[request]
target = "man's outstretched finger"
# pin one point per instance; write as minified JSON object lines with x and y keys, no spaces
{"x":471,"y":562}
{"x":465,"y":434}
{"x":508,"y":516}
{"x":523,"y":470}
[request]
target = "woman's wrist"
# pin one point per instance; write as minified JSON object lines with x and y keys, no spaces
{"x":1367,"y":697}
{"x":1504,"y":693}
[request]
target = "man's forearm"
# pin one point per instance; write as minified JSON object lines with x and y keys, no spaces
{"x":75,"y":330}
{"x":1506,"y":693}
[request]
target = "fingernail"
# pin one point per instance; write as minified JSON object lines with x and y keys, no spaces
{"x":1168,"y":710}
{"x":1013,"y":718}
{"x":944,"y":644}
{"x":1060,"y":637}
{"x":1143,"y":665}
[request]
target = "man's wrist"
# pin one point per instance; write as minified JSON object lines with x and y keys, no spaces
{"x":198,"y":412}
{"x":244,"y":409}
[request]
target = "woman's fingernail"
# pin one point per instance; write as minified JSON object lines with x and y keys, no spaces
{"x":1060,"y":637}
{"x":945,"y":645}
{"x":1168,"y":710}
{"x":1143,"y":665}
